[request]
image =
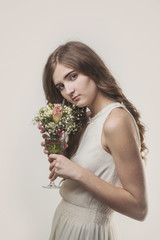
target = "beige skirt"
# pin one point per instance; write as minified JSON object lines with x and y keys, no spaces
{"x":72,"y":222}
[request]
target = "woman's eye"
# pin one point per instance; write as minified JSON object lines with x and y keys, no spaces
{"x":73,"y":77}
{"x":61,"y":87}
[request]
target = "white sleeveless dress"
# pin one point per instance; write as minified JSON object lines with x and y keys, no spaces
{"x":81,"y":216}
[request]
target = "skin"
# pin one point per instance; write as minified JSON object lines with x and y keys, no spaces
{"x":119,"y":137}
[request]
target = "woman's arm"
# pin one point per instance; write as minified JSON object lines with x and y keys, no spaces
{"x":119,"y":135}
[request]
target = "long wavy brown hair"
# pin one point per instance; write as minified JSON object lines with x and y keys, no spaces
{"x":83,"y":59}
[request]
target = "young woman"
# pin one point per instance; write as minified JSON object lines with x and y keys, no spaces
{"x":103,"y":164}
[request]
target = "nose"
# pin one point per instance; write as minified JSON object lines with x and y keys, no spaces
{"x":69,"y":89}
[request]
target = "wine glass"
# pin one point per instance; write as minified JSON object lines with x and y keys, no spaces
{"x":55,"y":145}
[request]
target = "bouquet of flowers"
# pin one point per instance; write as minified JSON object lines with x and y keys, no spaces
{"x":57,"y":120}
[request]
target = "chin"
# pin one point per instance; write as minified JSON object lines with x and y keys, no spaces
{"x":80,"y":105}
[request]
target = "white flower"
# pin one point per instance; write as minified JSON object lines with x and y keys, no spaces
{"x":66,"y":123}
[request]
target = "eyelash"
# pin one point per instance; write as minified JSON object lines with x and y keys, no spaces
{"x":59,"y":87}
{"x":70,"y":77}
{"x":73,"y":75}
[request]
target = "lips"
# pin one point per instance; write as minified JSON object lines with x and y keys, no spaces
{"x":75,"y":98}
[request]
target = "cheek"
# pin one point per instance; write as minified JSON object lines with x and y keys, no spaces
{"x":68,"y":98}
{"x":87,"y":84}
{"x":64,"y":95}
{"x":91,"y":87}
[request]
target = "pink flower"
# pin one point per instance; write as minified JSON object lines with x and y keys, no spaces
{"x":42,"y":128}
{"x":60,"y":132}
{"x":57,"y":112}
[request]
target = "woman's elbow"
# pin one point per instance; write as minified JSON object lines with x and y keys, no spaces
{"x":142,"y":212}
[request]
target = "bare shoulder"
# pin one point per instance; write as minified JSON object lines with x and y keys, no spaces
{"x":119,"y":130}
{"x":118,"y":120}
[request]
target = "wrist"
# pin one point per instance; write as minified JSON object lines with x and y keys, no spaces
{"x":80,"y":174}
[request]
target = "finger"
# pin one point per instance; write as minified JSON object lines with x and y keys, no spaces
{"x":53,"y":156}
{"x":50,"y":160}
{"x":43,"y":144}
{"x":54,"y":177}
{"x":44,"y":135}
{"x":52,"y":165}
{"x":52,"y":174}
{"x":45,"y":151}
{"x":65,"y":146}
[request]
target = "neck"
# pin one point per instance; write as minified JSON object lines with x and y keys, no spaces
{"x":99,"y":103}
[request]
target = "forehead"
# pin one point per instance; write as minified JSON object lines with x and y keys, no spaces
{"x":59,"y":72}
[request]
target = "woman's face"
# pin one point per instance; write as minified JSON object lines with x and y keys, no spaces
{"x":75,"y":87}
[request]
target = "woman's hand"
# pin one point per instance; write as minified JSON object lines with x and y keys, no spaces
{"x":60,"y":166}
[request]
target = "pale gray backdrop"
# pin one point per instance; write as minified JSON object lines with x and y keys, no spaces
{"x":126,"y":35}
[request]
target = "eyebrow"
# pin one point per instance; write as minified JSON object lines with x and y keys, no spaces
{"x":65,"y":76}
{"x":68,"y":74}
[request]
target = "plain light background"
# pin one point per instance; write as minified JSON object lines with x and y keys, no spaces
{"x":126,"y":35}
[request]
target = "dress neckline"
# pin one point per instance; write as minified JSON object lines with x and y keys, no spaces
{"x":91,"y":119}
